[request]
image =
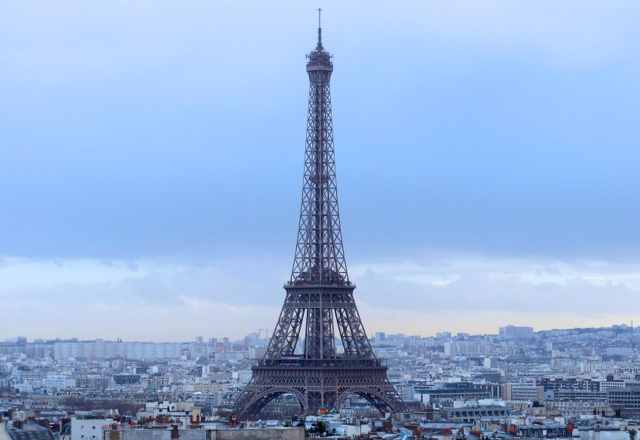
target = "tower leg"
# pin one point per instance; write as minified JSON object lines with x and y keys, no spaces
{"x":316,"y":388}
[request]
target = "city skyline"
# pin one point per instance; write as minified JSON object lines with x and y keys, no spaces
{"x":265,"y":334}
{"x":486,"y":156}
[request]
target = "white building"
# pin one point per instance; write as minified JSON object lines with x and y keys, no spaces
{"x":87,"y":429}
{"x":521,"y":392}
{"x":115,"y":350}
{"x":620,"y":351}
{"x":58,"y":382}
{"x":511,"y":331}
{"x":405,"y":391}
{"x":207,"y":399}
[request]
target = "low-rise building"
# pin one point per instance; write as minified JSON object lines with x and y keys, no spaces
{"x":470,"y":414}
{"x":204,"y":433}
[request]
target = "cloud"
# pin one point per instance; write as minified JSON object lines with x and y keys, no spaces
{"x":172,"y":301}
{"x":483,"y":293}
{"x":176,"y":300}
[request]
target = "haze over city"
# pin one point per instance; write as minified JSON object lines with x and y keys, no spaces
{"x":152,"y":156}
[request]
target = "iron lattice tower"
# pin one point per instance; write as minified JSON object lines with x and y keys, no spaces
{"x":319,"y":295}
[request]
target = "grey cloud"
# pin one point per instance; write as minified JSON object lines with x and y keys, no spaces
{"x":548,"y":270}
{"x":491,"y":293}
{"x":234,"y":296}
{"x":236,"y":282}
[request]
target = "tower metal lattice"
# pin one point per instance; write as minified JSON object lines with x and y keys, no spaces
{"x":319,"y":296}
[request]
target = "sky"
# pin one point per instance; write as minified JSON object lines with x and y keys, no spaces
{"x":151,"y":158}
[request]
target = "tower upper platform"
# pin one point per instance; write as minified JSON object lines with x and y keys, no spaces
{"x":319,"y":58}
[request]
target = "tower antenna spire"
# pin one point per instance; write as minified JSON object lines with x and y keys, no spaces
{"x":319,"y":27}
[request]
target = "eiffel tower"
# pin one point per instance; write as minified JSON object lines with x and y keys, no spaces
{"x":319,"y":295}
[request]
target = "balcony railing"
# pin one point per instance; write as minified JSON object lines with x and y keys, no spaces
{"x":339,"y":362}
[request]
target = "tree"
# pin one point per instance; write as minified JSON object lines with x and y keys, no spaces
{"x":632,"y":434}
{"x":319,"y":428}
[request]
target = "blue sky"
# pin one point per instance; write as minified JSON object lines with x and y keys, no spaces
{"x":151,"y":163}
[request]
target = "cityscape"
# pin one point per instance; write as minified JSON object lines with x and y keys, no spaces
{"x":516,"y":382}
{"x":495,"y":237}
